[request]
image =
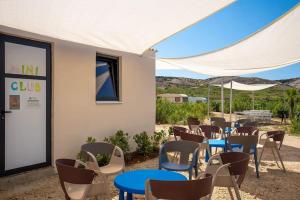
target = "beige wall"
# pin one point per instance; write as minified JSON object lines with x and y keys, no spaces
{"x":75,"y":114}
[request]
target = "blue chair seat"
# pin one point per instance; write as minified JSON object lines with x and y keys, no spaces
{"x":240,"y":149}
{"x":175,"y":167}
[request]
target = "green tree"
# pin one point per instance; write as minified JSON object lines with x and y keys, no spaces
{"x":292,"y":96}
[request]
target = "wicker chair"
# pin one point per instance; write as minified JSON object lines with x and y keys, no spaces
{"x":248,"y":145}
{"x":210,"y":132}
{"x":246,"y":130}
{"x":273,"y":137}
{"x":178,"y":130}
{"x":193,"y":124}
{"x":116,"y":163}
{"x":241,"y":122}
{"x":80,"y":183}
{"x":225,"y":127}
{"x":216,"y":119}
{"x":230,"y":171}
{"x":179,"y":190}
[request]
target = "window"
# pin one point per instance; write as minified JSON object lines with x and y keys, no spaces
{"x":107,"y":78}
{"x":177,"y":99}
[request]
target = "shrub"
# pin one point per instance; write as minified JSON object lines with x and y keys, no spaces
{"x":215,"y":106}
{"x":168,"y":112}
{"x":119,"y":139}
{"x":91,"y":140}
{"x":170,"y":130}
{"x":279,"y":109}
{"x":295,"y":126}
{"x":157,"y":139}
{"x":242,"y":102}
{"x":293,"y":99}
{"x":164,"y":109}
{"x":102,"y":159}
{"x":144,"y":144}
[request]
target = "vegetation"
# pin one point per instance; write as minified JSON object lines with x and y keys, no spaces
{"x":167,"y":112}
{"x":102,"y":159}
{"x":158,"y":138}
{"x":91,"y":140}
{"x":275,"y":99}
{"x":144,"y":144}
{"x":293,"y":98}
{"x":295,"y":126}
{"x":120,"y":139}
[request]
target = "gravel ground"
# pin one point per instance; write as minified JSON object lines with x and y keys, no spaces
{"x":273,"y":183}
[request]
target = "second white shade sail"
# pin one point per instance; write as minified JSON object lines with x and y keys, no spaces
{"x":275,"y":46}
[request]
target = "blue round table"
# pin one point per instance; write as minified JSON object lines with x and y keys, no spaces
{"x":218,"y":144}
{"x":133,"y":182}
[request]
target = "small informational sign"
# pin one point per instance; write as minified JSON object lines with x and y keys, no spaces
{"x":14,"y":102}
{"x":33,"y":101}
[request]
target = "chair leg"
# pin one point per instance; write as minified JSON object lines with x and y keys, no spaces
{"x":236,"y":188}
{"x":190,"y":174}
{"x":212,"y":191}
{"x":275,"y":157}
{"x":256,"y":164}
{"x":237,"y":192}
{"x":196,"y":170}
{"x":230,"y":192}
{"x":280,"y":160}
{"x":262,"y":151}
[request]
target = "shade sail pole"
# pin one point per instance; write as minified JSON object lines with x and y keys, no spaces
{"x":230,"y":99}
{"x":222,"y":98}
{"x":252,"y":100}
{"x":208,"y":101}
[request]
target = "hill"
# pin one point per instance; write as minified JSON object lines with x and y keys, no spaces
{"x":294,"y":82}
{"x":163,"y":82}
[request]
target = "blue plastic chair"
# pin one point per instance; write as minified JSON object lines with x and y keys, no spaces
{"x":185,"y":149}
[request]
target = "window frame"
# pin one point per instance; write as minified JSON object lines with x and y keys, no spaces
{"x":177,"y":99}
{"x":114,"y":70}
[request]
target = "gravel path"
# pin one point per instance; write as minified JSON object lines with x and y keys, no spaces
{"x":273,"y":183}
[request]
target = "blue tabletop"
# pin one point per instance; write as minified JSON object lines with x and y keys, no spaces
{"x":220,"y":143}
{"x":134,"y":181}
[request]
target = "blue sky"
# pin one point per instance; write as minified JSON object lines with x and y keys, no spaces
{"x":224,"y":28}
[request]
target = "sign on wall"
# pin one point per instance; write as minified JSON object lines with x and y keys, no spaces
{"x":24,"y":60}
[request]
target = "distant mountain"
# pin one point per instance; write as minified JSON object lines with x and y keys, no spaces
{"x":293,"y":82}
{"x":163,"y":82}
{"x":245,"y":80}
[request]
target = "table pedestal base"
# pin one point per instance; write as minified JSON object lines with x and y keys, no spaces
{"x":122,"y":196}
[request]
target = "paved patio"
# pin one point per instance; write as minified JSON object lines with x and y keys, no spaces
{"x":273,"y":183}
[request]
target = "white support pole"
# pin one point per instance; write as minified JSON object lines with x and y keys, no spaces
{"x":284,"y":103}
{"x":253,"y":100}
{"x":230,"y":99}
{"x":222,"y":98}
{"x":208,"y":101}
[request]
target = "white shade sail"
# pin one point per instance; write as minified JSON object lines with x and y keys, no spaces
{"x":275,"y":46}
{"x":126,"y":25}
{"x":246,"y":87}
